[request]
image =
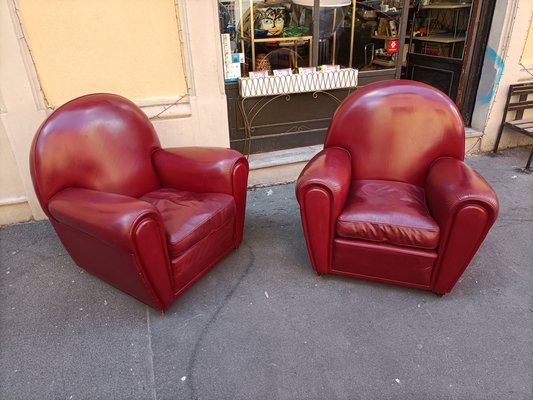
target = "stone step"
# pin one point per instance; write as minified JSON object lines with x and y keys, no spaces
{"x":284,"y":166}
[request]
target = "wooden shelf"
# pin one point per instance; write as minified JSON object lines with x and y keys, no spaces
{"x":446,"y":6}
{"x":384,"y":63}
{"x":440,"y":38}
{"x":274,"y":39}
{"x":285,"y":41}
{"x":384,"y":37}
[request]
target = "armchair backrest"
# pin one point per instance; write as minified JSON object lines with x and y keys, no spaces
{"x":395,"y":129}
{"x":101,"y":142}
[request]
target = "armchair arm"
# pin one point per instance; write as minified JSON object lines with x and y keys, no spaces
{"x":118,"y":238}
{"x":202,"y":169}
{"x":465,"y":207}
{"x":109,"y":217}
{"x":322,"y":189}
{"x":206,"y":169}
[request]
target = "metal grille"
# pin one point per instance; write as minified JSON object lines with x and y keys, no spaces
{"x":300,"y":83}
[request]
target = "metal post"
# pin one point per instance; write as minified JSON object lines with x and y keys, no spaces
{"x":401,"y":34}
{"x":243,"y":51}
{"x":350,"y":64}
{"x":252,"y":33}
{"x":316,"y":30}
{"x":334,"y":35}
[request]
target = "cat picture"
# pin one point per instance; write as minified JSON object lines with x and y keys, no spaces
{"x":271,"y":19}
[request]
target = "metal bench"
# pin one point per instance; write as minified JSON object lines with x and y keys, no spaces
{"x":518,"y":124}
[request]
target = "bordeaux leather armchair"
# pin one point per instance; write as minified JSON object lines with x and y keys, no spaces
{"x":390,"y":198}
{"x":147,"y":220}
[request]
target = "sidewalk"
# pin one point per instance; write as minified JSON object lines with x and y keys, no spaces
{"x":263,"y":325}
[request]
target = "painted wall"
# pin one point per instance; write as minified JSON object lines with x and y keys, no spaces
{"x":81,"y":46}
{"x":504,"y":64}
{"x":527,"y":55}
{"x":200,"y":118}
{"x":22,"y":112}
{"x":12,"y":192}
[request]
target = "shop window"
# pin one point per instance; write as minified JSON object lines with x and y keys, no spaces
{"x":274,"y":35}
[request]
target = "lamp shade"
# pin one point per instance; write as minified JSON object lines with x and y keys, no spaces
{"x":323,"y":3}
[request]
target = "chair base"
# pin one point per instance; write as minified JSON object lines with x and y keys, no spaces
{"x":386,"y":281}
{"x":383,"y":262}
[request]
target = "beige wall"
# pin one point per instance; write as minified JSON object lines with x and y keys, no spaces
{"x":22,"y":113}
{"x":129,"y":48}
{"x":199,"y":118}
{"x":514,"y":19}
{"x":12,"y":194}
{"x":527,"y":54}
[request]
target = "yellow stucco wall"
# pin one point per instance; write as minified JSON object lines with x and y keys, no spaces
{"x":149,"y":70}
{"x":13,"y":205}
{"x":127,"y":47}
{"x":527,"y":54}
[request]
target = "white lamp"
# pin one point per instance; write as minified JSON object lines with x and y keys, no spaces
{"x":323,"y":3}
{"x":329,"y":4}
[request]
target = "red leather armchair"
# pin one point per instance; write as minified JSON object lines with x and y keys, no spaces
{"x":147,"y":220}
{"x":390,"y":198}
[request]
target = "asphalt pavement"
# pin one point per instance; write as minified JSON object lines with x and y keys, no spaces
{"x":263,"y":325}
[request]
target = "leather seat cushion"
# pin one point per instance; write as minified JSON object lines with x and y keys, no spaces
{"x":388,"y":212}
{"x":189,"y":217}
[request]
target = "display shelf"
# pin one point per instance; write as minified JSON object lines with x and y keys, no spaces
{"x":441,"y":38}
{"x":275,"y":39}
{"x":294,"y":41}
{"x":384,"y":63}
{"x":386,"y":32}
{"x":384,"y":37}
{"x":250,"y":25}
{"x":446,"y":6}
{"x":451,"y":19}
{"x":437,"y":56}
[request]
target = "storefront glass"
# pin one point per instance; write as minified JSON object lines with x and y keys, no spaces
{"x":280,"y":35}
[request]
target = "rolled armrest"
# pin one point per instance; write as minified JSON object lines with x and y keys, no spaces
{"x":322,"y":189}
{"x":330,"y":170}
{"x":465,"y":207}
{"x":201,"y":169}
{"x":451,"y":184}
{"x":105,"y":216}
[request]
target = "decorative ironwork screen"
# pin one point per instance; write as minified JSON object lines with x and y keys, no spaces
{"x":298,"y":83}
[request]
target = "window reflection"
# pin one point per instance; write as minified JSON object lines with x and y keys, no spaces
{"x":279,"y":34}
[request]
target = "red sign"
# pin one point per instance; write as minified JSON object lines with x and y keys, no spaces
{"x":392,"y":46}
